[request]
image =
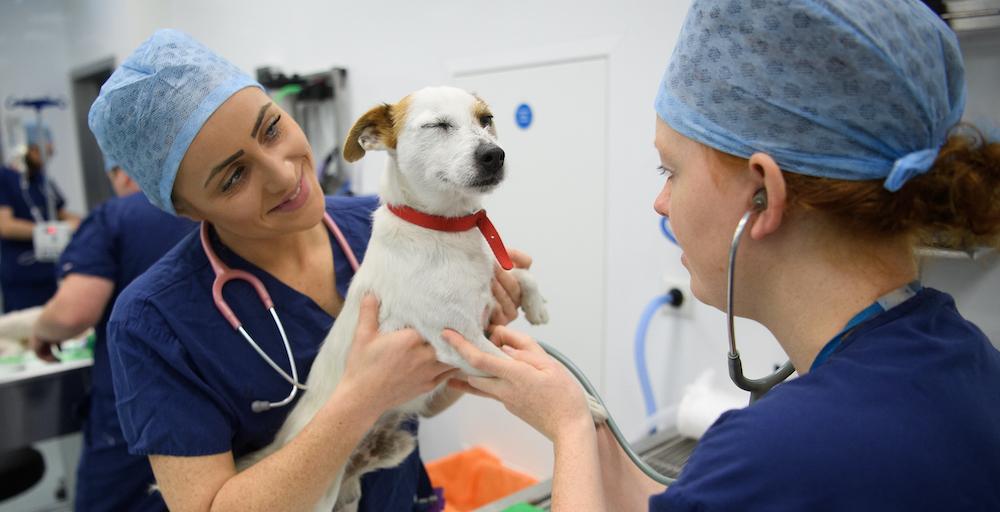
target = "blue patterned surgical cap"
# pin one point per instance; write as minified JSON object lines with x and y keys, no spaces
{"x":110,"y":164}
{"x":846,"y":89}
{"x":155,"y":103}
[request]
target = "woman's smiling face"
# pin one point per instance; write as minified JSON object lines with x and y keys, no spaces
{"x":250,"y":171}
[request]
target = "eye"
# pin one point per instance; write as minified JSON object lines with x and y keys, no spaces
{"x":234,"y":179}
{"x":665,"y":172}
{"x":444,"y":125}
{"x":273,"y":131}
{"x":486,"y":120}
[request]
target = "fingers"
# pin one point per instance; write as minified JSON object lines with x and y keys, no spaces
{"x":43,"y":351}
{"x":539,"y":361}
{"x":520,"y":259}
{"x":507,"y":307}
{"x":505,"y":336}
{"x":493,"y":387}
{"x":476,"y":358}
{"x":465,"y":387}
{"x":367,"y":318}
{"x":509,"y":283}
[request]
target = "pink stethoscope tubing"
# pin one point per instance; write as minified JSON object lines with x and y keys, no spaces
{"x":224,"y":274}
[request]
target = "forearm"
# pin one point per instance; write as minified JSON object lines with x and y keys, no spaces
{"x":297,"y":476}
{"x":56,"y":325}
{"x":626,"y":487}
{"x":17,"y":229}
{"x":576,"y":480}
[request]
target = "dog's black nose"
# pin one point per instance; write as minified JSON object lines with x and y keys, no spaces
{"x":489,"y":157}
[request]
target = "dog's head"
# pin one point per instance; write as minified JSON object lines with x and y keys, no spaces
{"x":442,"y":140}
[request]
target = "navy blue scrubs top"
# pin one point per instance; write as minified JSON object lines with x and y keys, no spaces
{"x":905,"y":415}
{"x":184,"y":379}
{"x":25,"y":282}
{"x":118,"y":241}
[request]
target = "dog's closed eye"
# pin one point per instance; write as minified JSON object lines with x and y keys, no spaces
{"x":441,"y":123}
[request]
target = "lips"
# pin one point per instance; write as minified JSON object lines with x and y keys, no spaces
{"x":294,"y":200}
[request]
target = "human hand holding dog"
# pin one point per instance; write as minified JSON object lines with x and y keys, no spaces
{"x":389,"y":369}
{"x":507,"y":289}
{"x":531,"y":385}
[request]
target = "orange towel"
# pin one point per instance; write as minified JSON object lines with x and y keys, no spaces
{"x":473,"y":478}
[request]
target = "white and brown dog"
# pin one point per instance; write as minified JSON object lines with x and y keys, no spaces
{"x":426,"y":262}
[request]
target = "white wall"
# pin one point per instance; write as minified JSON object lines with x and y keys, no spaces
{"x":33,"y":63}
{"x":393,"y":47}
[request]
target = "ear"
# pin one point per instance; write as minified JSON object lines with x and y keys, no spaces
{"x":372,"y":131}
{"x":767,"y":171}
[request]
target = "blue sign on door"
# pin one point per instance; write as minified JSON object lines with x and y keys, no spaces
{"x":523,"y":116}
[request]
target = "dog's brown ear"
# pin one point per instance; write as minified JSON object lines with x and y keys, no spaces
{"x":372,"y":131}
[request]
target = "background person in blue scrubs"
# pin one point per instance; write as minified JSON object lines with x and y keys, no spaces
{"x":843,"y":112}
{"x":116,"y":243}
{"x":214,"y":148}
{"x":24,"y":281}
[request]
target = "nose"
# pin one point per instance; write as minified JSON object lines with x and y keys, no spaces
{"x":489,"y":158}
{"x":282,"y":174}
{"x":662,"y":202}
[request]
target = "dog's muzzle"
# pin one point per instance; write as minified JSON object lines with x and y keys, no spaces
{"x":489,"y":163}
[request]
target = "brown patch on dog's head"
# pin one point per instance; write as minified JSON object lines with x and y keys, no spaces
{"x":482,"y":113}
{"x":378,"y":129}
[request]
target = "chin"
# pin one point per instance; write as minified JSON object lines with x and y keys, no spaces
{"x":700,"y":293}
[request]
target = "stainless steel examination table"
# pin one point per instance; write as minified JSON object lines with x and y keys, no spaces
{"x":42,"y":401}
{"x":667,"y":451}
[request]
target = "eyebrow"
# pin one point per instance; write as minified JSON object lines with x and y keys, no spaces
{"x":217,"y":168}
{"x":260,"y":118}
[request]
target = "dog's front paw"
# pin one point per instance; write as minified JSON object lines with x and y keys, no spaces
{"x":532,"y":302}
{"x":535,"y":310}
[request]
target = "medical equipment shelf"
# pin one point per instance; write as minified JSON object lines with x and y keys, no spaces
{"x":968,"y":15}
{"x":667,"y":451}
{"x":976,"y":254}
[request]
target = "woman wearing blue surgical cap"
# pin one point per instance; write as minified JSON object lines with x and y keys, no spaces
{"x":828,"y":126}
{"x":204,"y":141}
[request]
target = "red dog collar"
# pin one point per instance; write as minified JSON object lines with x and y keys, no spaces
{"x":456,"y":224}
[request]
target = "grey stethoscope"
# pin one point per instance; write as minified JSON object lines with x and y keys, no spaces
{"x":756,"y":387}
{"x":224,"y":274}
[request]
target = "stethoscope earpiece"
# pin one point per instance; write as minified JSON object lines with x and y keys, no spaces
{"x":759,"y":201}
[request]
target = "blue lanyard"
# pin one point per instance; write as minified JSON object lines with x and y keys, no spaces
{"x":881,"y":305}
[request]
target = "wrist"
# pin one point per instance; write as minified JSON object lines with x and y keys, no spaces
{"x":353,"y":405}
{"x":572,"y":432}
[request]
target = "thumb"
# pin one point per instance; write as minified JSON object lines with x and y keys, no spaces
{"x":367,"y":318}
{"x":520,"y":259}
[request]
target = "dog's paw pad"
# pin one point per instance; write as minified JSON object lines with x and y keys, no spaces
{"x":535,"y":310}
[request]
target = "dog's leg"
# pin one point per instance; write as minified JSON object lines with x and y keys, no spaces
{"x":532,"y":301}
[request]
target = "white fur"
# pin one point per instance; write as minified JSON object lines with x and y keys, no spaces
{"x":424,"y":279}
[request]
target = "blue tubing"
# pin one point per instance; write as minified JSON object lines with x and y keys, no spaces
{"x":640,"y":350}
{"x":665,"y":228}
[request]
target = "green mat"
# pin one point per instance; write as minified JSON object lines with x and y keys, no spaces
{"x":521,"y":507}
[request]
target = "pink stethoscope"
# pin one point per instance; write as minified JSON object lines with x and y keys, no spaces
{"x":224,"y":274}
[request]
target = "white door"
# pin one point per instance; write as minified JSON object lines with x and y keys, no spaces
{"x":552,"y":205}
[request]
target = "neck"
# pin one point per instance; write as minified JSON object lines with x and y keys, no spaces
{"x":395,"y":189}
{"x":277,"y":255}
{"x":807,"y":299}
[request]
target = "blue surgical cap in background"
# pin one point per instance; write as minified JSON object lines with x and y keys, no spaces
{"x":34,"y":135}
{"x":846,"y":89}
{"x":154,"y":104}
